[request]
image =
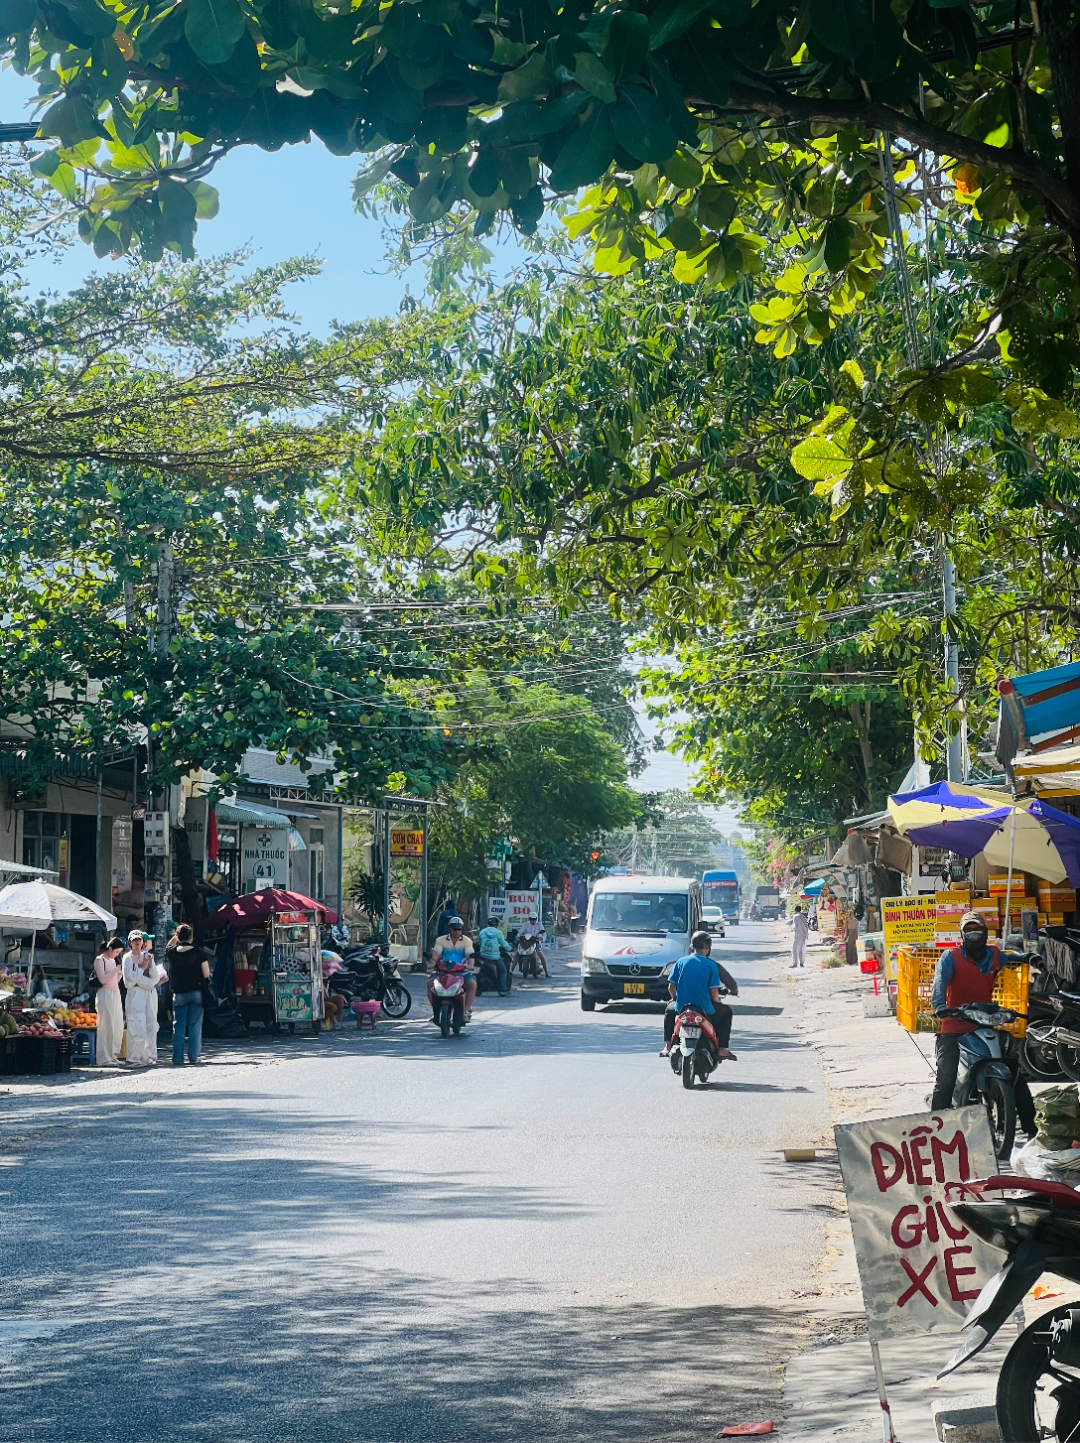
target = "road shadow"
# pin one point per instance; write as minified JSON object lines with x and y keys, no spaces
{"x":200,"y":1269}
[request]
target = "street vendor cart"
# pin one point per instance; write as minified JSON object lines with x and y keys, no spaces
{"x":295,"y":961}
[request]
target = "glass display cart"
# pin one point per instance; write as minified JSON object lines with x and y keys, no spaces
{"x":296,"y":965}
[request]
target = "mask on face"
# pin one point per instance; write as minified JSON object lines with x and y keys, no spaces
{"x":975,"y":943}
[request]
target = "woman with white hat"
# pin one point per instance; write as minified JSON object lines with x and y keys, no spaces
{"x":142,"y":977}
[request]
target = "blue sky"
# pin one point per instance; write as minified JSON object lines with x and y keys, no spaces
{"x":296,"y":201}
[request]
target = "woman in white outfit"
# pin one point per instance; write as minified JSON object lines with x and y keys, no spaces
{"x":110,"y":1013}
{"x":142,"y":977}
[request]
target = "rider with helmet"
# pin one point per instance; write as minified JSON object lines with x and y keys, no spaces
{"x":453,"y":949}
{"x":964,"y":975}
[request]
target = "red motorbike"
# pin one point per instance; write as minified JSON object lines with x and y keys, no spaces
{"x":695,"y":1048}
{"x":449,"y":987}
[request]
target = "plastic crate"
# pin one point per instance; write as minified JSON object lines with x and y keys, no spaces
{"x":41,"y":1056}
{"x":915,"y":985}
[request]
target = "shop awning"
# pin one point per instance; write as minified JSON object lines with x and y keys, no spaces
{"x":1055,"y":770}
{"x":250,"y":814}
{"x":1039,"y":710}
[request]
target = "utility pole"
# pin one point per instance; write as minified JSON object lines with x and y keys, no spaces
{"x":159,"y":868}
{"x":957,"y":752}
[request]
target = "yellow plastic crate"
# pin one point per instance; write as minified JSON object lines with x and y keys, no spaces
{"x":915,"y":968}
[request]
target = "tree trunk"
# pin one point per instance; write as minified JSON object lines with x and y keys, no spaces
{"x":189,"y":890}
{"x":860,"y":715}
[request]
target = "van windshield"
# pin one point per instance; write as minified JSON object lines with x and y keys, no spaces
{"x":638,"y":912}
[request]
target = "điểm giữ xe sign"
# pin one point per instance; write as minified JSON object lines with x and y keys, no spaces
{"x":919,"y":1266}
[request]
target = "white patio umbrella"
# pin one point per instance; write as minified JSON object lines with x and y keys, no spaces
{"x":33,"y":906}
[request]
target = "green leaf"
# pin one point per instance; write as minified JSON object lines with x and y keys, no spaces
{"x":212,"y":28}
{"x":91,"y":19}
{"x":672,"y":18}
{"x":72,"y":120}
{"x":532,"y":78}
{"x":592,"y":75}
{"x":627,"y":43}
{"x":206,"y":199}
{"x":45,"y":164}
{"x":820,"y":459}
{"x":683,"y":170}
{"x":836,"y":251}
{"x":16,"y":15}
{"x":642,"y":127}
{"x":683,"y":234}
{"x":588,"y":153}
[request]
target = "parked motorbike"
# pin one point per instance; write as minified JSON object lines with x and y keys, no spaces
{"x":986,"y":1072}
{"x":1037,"y":1224}
{"x":370,"y":973}
{"x":449,"y":985}
{"x":695,"y":1048}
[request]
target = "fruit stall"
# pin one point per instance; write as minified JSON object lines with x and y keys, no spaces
{"x":42,"y":1040}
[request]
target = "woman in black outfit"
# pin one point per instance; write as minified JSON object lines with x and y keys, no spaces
{"x":187,"y":966}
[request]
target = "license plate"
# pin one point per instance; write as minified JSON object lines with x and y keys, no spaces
{"x":690,"y":1032}
{"x":633,"y":989}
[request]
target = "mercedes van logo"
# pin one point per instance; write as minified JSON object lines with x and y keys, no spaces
{"x":634,"y":969}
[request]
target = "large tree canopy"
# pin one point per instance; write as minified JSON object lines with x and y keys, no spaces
{"x":623,"y":440}
{"x":707,"y":127}
{"x":171,"y":529}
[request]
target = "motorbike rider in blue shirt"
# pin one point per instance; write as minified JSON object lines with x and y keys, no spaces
{"x":493,"y":948}
{"x":453,"y":949}
{"x":695,"y":981}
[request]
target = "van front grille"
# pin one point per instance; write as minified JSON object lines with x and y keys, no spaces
{"x":625,"y":969}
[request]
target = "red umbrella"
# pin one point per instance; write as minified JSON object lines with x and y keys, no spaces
{"x":257,"y":906}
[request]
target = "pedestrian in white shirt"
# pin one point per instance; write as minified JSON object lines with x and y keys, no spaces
{"x":110,"y":1013}
{"x":801,"y":930}
{"x":142,"y":977}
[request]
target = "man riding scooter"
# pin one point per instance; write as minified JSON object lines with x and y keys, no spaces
{"x":493,"y":949}
{"x":695,"y":982}
{"x":453,"y":950}
{"x":964,"y":975}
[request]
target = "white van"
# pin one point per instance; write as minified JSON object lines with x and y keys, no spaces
{"x":636,"y":928}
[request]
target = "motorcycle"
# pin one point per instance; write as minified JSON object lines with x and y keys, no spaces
{"x":526,"y":957}
{"x":370,"y":973}
{"x":487,"y":975}
{"x":1037,"y":1223}
{"x":985,"y":1073}
{"x":449,"y":986}
{"x":695,"y":1048}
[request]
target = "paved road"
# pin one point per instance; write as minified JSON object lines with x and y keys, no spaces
{"x":530,"y":1233}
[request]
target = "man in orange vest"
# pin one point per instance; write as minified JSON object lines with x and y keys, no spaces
{"x":967,"y":974}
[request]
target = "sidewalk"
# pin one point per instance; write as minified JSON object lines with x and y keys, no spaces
{"x":873,"y":1068}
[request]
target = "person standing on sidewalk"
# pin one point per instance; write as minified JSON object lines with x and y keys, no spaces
{"x":189,"y":967}
{"x":800,"y":932}
{"x":142,"y":977}
{"x":107,"y":1005}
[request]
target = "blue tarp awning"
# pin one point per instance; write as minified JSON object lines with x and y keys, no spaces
{"x":1040,"y":710}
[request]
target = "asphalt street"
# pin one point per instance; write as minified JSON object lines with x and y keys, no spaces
{"x":532,"y":1232}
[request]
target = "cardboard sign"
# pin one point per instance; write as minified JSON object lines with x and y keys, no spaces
{"x":920,"y":1267}
{"x":906,"y":922}
{"x":404,"y":842}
